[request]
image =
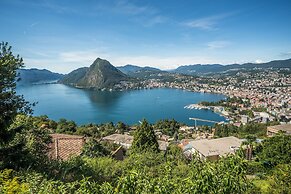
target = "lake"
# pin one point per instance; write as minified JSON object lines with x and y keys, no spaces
{"x":87,"y":106}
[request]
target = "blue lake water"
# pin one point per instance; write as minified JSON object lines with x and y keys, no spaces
{"x":87,"y":106}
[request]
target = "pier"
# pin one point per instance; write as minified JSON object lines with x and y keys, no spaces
{"x":205,"y":120}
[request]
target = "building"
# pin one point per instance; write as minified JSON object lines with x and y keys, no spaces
{"x":273,"y":130}
{"x":163,"y":145}
{"x":120,"y":139}
{"x":64,"y":146}
{"x":126,"y":141}
{"x":244,"y":119}
{"x":212,"y":149}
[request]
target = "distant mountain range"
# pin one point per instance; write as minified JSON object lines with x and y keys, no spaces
{"x":139,"y":72}
{"x":37,"y":76}
{"x":101,"y":74}
{"x":218,"y":68}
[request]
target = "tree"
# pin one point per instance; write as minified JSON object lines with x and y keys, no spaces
{"x":65,"y":126}
{"x":22,"y":142}
{"x":276,"y":150}
{"x":168,"y":127}
{"x":175,"y":154}
{"x":280,"y":179}
{"x":10,"y":103}
{"x":121,"y":127}
{"x":144,"y":138}
{"x":94,"y":149}
{"x":30,"y":146}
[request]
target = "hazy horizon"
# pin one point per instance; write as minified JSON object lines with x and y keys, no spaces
{"x":141,"y":66}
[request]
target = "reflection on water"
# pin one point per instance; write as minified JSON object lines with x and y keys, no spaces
{"x":89,"y":106}
{"x":104,"y":99}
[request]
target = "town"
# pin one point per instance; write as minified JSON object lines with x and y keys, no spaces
{"x":265,"y":94}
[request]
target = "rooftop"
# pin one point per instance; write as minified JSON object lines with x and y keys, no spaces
{"x":65,"y":136}
{"x":220,"y":146}
{"x":119,"y":138}
{"x":285,"y":128}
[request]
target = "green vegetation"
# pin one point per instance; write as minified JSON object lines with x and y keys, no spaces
{"x":276,"y":150}
{"x":146,"y":173}
{"x":259,"y":109}
{"x":144,"y":139}
{"x":21,"y":144}
{"x":25,"y":167}
{"x":37,"y":76}
{"x":230,"y":104}
{"x":227,"y":103}
{"x":272,"y":165}
{"x":249,"y":113}
{"x":94,"y":149}
{"x":256,"y":129}
{"x":10,"y":103}
{"x":167,"y":127}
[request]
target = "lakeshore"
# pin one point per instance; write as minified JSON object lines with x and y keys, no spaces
{"x":60,"y":101}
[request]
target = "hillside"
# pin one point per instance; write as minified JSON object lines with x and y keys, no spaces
{"x":101,"y":74}
{"x":218,"y":68}
{"x":140,"y":72}
{"x":37,"y":76}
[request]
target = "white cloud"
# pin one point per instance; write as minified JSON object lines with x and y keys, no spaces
{"x":207,"y":23}
{"x":68,"y":61}
{"x":218,"y":44}
{"x":259,"y":61}
{"x":123,"y":6}
{"x":204,"y":24}
{"x":164,"y":63}
{"x":33,"y":24}
{"x":155,"y":20}
{"x":146,"y":16}
{"x":82,"y":57}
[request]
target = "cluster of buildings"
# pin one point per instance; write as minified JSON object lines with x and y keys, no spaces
{"x":63,"y":146}
{"x":268,"y":89}
{"x":265,"y":94}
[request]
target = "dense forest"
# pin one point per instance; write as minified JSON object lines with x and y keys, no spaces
{"x":26,"y":168}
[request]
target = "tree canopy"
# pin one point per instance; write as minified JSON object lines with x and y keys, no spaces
{"x":144,"y":138}
{"x":10,"y":103}
{"x":22,"y":142}
{"x":276,"y":150}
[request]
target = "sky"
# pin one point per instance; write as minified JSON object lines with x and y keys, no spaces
{"x":62,"y":35}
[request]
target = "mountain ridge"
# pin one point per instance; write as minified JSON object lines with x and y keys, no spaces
{"x":101,"y":74}
{"x":216,"y":68}
{"x":139,"y":72}
{"x":37,"y":76}
{"x":78,"y":76}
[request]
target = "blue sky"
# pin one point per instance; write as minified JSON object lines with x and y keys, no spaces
{"x":64,"y":35}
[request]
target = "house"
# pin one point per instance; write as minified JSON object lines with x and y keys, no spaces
{"x":244,"y":119}
{"x":126,"y":141}
{"x":273,"y":130}
{"x":212,"y":149}
{"x":64,"y":146}
{"x":163,"y":145}
{"x":120,"y":139}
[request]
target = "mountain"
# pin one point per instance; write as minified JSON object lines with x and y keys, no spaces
{"x":129,"y":69}
{"x":140,"y":72}
{"x":37,"y":76}
{"x":197,"y":69}
{"x":217,"y":68}
{"x":74,"y":76}
{"x":101,"y":74}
